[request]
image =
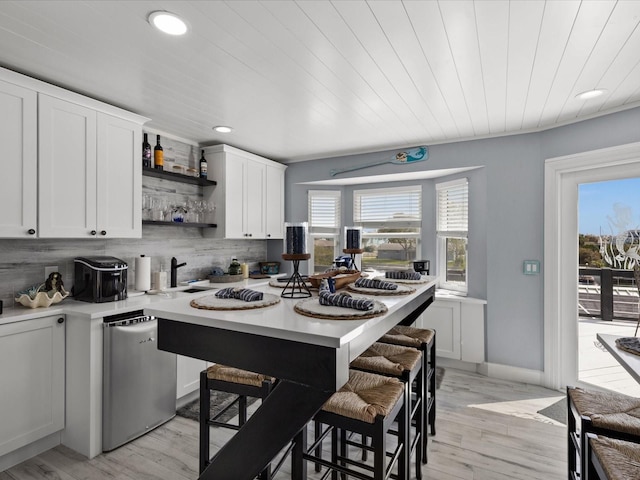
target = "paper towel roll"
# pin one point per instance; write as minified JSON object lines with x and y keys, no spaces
{"x":143,"y":273}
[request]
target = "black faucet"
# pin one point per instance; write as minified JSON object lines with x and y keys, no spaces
{"x":174,"y":271}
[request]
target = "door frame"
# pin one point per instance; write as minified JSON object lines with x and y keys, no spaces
{"x":562,"y":177}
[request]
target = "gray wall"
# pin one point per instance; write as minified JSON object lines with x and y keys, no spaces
{"x":506,"y":196}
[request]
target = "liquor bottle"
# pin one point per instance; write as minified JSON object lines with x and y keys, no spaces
{"x":203,"y":166}
{"x":146,"y":152}
{"x":158,"y":155}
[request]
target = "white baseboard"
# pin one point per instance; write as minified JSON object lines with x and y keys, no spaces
{"x":513,"y":374}
{"x":28,"y":451}
{"x":495,"y":370}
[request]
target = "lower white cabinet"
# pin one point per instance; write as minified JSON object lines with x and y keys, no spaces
{"x":188,"y":377}
{"x":32,"y":376}
{"x":459,"y":326}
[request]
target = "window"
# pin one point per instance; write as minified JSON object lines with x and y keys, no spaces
{"x":324,"y":228}
{"x":391,"y":219}
{"x":452,"y":231}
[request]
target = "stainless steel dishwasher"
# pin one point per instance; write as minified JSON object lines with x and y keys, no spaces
{"x":139,"y":381}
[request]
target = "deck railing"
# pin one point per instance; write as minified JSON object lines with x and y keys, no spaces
{"x":607,"y":293}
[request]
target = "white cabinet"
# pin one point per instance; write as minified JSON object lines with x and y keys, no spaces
{"x":188,"y":376}
{"x":249,"y":197}
{"x":71,"y":165}
{"x":18,"y":182}
{"x":90,"y":182}
{"x":459,"y":326}
{"x":274,"y":204}
{"x":32,"y":375}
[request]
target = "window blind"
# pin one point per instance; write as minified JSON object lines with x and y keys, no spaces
{"x":399,"y":204}
{"x":324,"y":209}
{"x":453,"y":207}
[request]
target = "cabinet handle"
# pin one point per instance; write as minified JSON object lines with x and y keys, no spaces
{"x":268,"y":235}
{"x":93,"y":232}
{"x":31,"y":231}
{"x":103,"y":232}
{"x":61,"y":320}
{"x":251,"y":234}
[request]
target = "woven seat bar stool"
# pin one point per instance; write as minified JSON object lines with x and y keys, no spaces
{"x":612,"y":415}
{"x":404,"y":363}
{"x":611,"y":459}
{"x":423,"y":339}
{"x":236,"y":381}
{"x":368,"y":404}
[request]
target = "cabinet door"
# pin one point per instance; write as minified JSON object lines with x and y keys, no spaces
{"x":234,"y":182}
{"x":188,"y":377}
{"x":254,"y":212}
{"x":32,"y":379}
{"x":67,"y":169}
{"x":119,"y":178}
{"x":444,"y":318}
{"x":18,"y":182}
{"x":472,"y":332}
{"x":274,"y":204}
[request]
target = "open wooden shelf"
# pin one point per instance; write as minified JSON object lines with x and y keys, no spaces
{"x":177,"y":177}
{"x":179,"y":224}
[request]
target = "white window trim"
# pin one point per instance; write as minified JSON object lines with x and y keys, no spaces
{"x":441,"y":243}
{"x":318,"y":232}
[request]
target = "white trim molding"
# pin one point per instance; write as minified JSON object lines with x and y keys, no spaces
{"x":563,"y":175}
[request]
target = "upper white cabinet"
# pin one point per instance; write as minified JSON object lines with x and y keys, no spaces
{"x":274,"y":214}
{"x":90,"y":183}
{"x":249,"y":197}
{"x":72,"y":166}
{"x":19,"y":140}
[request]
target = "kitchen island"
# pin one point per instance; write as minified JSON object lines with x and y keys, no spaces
{"x":309,"y":356}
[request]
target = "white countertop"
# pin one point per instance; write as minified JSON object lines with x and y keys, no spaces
{"x":68,"y":306}
{"x":280,"y":320}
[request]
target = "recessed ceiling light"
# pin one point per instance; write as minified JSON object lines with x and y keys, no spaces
{"x":596,"y":92}
{"x":168,"y":22}
{"x":223,"y":129}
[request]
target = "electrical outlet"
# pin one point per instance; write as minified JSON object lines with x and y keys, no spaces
{"x":50,"y":270}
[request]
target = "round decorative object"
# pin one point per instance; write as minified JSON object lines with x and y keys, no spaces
{"x":211,"y":302}
{"x":401,"y":290}
{"x":629,"y":344}
{"x":296,"y":256}
{"x":311,"y":308}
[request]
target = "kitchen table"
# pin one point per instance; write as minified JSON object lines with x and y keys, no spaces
{"x":309,"y":356}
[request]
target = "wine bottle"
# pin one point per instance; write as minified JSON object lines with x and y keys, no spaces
{"x":146,"y":152}
{"x":158,"y":155}
{"x":203,"y":166}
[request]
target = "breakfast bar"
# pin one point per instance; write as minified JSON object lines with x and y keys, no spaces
{"x":309,"y":356}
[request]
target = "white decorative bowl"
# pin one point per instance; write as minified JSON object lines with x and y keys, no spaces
{"x":41,"y":299}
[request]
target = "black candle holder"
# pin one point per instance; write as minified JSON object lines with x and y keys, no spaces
{"x":353,"y":252}
{"x":296,"y":287}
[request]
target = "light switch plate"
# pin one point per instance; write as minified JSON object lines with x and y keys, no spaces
{"x":531,"y":267}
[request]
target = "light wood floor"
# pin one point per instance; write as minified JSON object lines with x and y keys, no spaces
{"x":487,"y":429}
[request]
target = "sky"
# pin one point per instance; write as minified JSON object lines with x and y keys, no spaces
{"x":609,"y":207}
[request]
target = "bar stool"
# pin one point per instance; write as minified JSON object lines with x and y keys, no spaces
{"x":611,"y":459}
{"x":368,"y":404}
{"x":404,"y":363}
{"x":612,"y":415}
{"x":424,"y":340}
{"x":236,"y":381}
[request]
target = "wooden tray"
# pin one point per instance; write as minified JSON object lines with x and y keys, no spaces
{"x":342,"y":278}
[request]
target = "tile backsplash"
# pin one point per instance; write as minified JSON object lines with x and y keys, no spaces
{"x":23,"y":262}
